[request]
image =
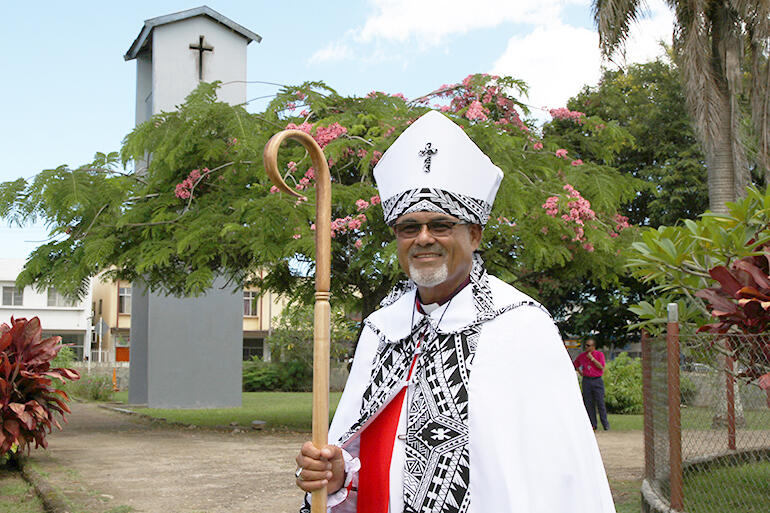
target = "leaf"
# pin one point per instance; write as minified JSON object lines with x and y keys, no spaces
{"x":759,"y":276}
{"x":725,"y":278}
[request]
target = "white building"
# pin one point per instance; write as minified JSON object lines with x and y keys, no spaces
{"x":58,"y":316}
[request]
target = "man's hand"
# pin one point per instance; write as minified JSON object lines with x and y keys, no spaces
{"x":320,"y":467}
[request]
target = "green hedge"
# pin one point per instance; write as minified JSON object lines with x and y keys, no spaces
{"x":259,"y":376}
{"x":623,"y":385}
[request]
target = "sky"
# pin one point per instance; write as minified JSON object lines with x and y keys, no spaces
{"x":67,"y":92}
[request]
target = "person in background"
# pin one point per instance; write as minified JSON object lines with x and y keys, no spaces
{"x":590,"y":364}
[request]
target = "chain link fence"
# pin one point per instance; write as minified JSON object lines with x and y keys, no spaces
{"x":707,"y":422}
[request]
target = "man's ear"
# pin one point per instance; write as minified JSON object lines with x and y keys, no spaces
{"x":475,"y":231}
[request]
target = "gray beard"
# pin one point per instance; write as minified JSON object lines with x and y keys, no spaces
{"x":429,"y":277}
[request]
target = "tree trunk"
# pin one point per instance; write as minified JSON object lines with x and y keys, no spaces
{"x":719,"y":161}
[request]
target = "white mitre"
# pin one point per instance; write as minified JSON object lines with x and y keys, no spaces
{"x":435,"y":167}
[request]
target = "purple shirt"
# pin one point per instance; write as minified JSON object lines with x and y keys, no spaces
{"x":587,"y":367}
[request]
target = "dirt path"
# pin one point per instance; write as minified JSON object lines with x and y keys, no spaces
{"x":105,"y":461}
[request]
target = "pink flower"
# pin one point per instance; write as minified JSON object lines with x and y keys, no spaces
{"x":375,"y":200}
{"x":354,"y":224}
{"x":577,"y":162}
{"x":538,"y":146}
{"x":376,"y":155}
{"x":181,"y":191}
{"x":588,"y":247}
{"x":551,"y":206}
{"x":296,"y":236}
{"x":399,"y":95}
{"x":273,"y":189}
{"x":621,"y":222}
{"x":544,"y":230}
{"x":312,"y":226}
{"x":570,"y":115}
{"x":358,"y":243}
{"x":561,"y":152}
{"x":300,"y":95}
{"x":310,"y":174}
{"x":476,"y":111}
{"x":304,"y":113}
{"x":362,"y":205}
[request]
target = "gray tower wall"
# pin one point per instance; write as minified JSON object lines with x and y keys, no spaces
{"x":192,"y":347}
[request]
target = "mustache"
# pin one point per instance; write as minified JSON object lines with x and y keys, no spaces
{"x":433,"y":248}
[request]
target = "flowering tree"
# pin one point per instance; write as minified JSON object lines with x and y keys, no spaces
{"x":202,"y":205}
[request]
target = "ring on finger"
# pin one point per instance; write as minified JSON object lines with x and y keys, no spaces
{"x":298,"y":474}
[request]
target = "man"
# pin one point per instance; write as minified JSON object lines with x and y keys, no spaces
{"x":461,"y":397}
{"x":590,"y":365}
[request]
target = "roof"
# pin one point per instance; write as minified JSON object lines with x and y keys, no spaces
{"x":145,"y":36}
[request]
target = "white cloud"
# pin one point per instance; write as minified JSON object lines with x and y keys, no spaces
{"x":644,"y":39}
{"x":336,"y":51}
{"x":431,"y":21}
{"x":557,"y":60}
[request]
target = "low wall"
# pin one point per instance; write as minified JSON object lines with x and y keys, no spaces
{"x":105,"y":369}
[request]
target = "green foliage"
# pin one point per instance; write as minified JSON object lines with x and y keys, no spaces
{"x":623,"y":385}
{"x":291,"y":376}
{"x":668,"y":159}
{"x":202,"y":206}
{"x":292,"y":339}
{"x":64,"y":358}
{"x":687,"y":389}
{"x":675,"y":260}
{"x":92,"y":388}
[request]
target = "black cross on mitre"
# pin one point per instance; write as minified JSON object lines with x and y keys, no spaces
{"x":427,"y":153}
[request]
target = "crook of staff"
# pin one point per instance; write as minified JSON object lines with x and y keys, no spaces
{"x":321,"y":324}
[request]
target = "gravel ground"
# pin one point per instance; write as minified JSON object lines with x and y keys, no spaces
{"x":107,"y":462}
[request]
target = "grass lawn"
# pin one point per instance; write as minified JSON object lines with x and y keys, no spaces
{"x":281,"y":410}
{"x":627,"y":495}
{"x":290,"y":410}
{"x":744,"y":488}
{"x":16,"y":496}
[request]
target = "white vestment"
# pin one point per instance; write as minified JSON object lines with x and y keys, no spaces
{"x":531,"y":447}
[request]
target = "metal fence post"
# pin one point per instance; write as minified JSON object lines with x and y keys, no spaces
{"x":674,"y":419}
{"x":649,"y":448}
{"x":730,"y":392}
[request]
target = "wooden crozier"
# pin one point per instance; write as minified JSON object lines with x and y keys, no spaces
{"x":321,"y":328}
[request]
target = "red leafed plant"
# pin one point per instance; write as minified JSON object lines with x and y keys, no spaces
{"x":742,"y":303}
{"x":28,"y":401}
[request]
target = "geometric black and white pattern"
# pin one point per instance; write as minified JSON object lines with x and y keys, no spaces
{"x":437,"y":472}
{"x":463,"y":207}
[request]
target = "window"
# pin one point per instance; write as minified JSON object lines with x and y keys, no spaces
{"x":56,"y":299}
{"x":100,"y":307}
{"x":250,"y":303}
{"x":124,"y":300}
{"x":12,"y":296}
{"x":253,"y":347}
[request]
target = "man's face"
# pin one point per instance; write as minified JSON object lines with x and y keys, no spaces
{"x":437,"y":263}
{"x":590,"y":345}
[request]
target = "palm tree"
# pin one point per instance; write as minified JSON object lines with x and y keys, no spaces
{"x":721,"y":48}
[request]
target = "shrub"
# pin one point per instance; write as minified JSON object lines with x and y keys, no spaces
{"x":623,"y":385}
{"x":28,"y":399}
{"x":92,"y":388}
{"x":259,"y":376}
{"x":687,"y":389}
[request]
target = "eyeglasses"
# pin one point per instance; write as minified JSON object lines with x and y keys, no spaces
{"x":410,"y":229}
